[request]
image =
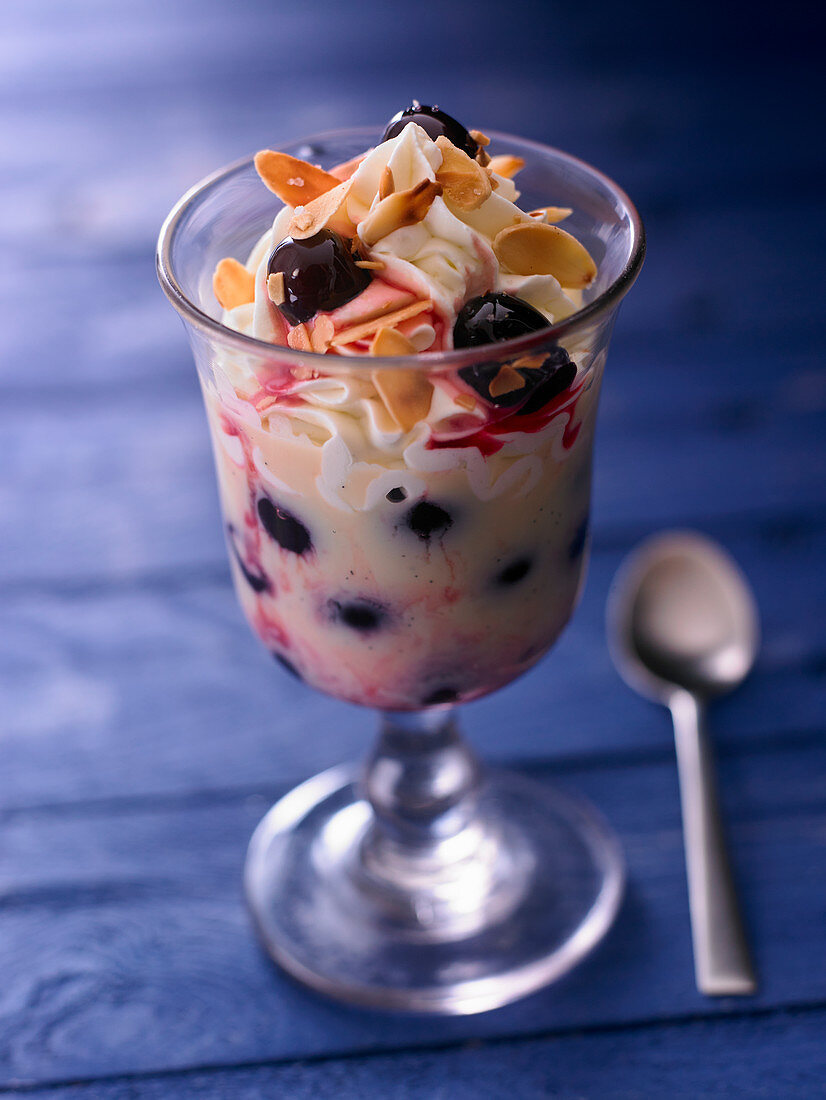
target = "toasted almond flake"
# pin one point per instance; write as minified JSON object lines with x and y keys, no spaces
{"x":387,"y":185}
{"x":344,"y":170}
{"x":275,"y":287}
{"x":551,"y":214}
{"x":326,"y":212}
{"x":506,"y":165}
{"x":390,"y":320}
{"x":406,"y":395}
{"x":389,"y":341}
{"x":465,"y":183}
{"x":533,"y":248}
{"x":506,"y":381}
{"x":322,"y":334}
{"x":479,"y":137}
{"x":371,"y":265}
{"x":232,"y":284}
{"x":299,"y":338}
{"x":466,"y":401}
{"x":294,"y":181}
{"x":530,"y":362}
{"x":397,"y":210}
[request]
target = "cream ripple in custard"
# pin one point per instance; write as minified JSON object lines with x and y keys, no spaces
{"x":410,"y":535}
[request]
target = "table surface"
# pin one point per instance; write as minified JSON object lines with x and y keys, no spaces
{"x":144,"y":732}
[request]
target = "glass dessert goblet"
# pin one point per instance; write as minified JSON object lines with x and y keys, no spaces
{"x":408,"y":552}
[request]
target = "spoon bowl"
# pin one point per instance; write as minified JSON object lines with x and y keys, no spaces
{"x":682,"y":615}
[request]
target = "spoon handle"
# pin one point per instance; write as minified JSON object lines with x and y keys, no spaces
{"x":722,"y":962}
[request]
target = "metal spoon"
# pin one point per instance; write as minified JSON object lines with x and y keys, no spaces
{"x":682,"y":628}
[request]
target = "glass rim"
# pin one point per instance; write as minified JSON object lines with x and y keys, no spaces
{"x":452,"y":358}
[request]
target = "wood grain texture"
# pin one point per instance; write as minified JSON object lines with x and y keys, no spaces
{"x":142,"y":732}
{"x":159,"y":687}
{"x":779,"y":1055}
{"x":126,"y":948}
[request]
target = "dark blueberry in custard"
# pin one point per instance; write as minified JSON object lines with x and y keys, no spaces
{"x":396,"y":496}
{"x":440,"y":695}
{"x":491,"y":318}
{"x":362,"y":615}
{"x":515,"y":572}
{"x":281,"y":525}
{"x":288,"y":666}
{"x":319,"y":272}
{"x":435,"y":122}
{"x":553,"y":378}
{"x":257,"y":581}
{"x":425,"y":520}
{"x":578,"y":541}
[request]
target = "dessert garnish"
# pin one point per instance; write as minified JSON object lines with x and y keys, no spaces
{"x":318,"y":273}
{"x":416,"y":245}
{"x":435,"y":122}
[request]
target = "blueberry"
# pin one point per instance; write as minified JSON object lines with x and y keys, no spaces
{"x":425,"y":519}
{"x":578,"y":541}
{"x":435,"y":123}
{"x":513,"y":573}
{"x":288,"y":666}
{"x":440,"y":695}
{"x":396,"y":496}
{"x":281,"y":525}
{"x":491,"y":318}
{"x":257,"y":581}
{"x":319,"y":272}
{"x":362,"y":614}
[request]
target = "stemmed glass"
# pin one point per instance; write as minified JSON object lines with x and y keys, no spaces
{"x":411,"y":577}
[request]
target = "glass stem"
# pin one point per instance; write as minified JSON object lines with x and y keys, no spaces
{"x":422,"y":781}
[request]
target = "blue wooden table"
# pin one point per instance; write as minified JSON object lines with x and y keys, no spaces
{"x":144,"y":732}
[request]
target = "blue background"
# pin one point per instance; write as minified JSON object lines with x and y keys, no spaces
{"x":143,"y":731}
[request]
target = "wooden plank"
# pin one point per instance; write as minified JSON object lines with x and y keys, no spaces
{"x":116,"y":489}
{"x":125,"y":947}
{"x":779,"y":1055}
{"x":161,"y":688}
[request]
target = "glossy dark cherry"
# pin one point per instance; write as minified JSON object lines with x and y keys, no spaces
{"x":493,"y":317}
{"x":435,"y":123}
{"x":320,"y":273}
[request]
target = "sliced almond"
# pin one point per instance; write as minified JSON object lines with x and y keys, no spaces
{"x":299,"y":338}
{"x":530,"y":362}
{"x":296,"y":182}
{"x":479,"y":137}
{"x":406,"y":395}
{"x":322,"y":334}
{"x":465,"y":183}
{"x":275,"y":288}
{"x":389,"y":320}
{"x":397,"y":210}
{"x":344,"y":170}
{"x":533,"y":248}
{"x":506,"y":381}
{"x":389,"y":341}
{"x":371,"y":265}
{"x":506,"y":165}
{"x":232,"y":284}
{"x":328,"y":211}
{"x":387,"y":184}
{"x":466,"y":401}
{"x":551,"y":214}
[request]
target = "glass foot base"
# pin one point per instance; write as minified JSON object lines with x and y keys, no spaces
{"x":512,"y":903}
